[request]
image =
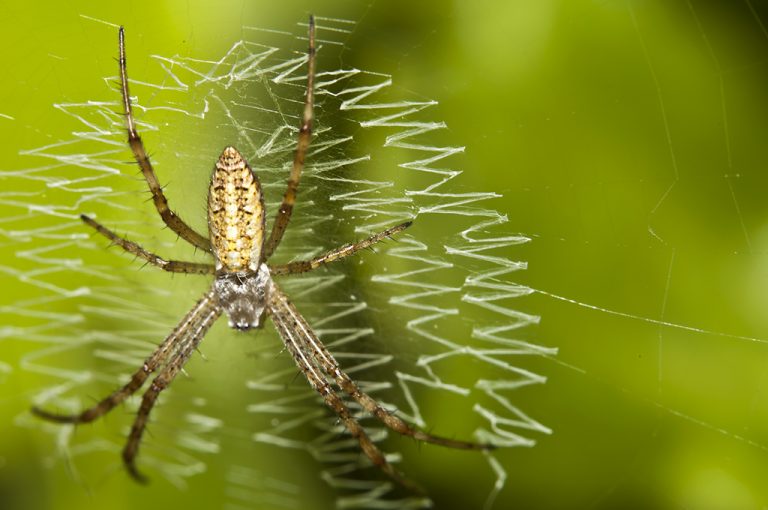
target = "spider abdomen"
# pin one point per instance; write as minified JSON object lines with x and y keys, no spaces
{"x":236,"y":219}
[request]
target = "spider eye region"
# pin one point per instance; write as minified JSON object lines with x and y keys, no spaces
{"x":243,"y":297}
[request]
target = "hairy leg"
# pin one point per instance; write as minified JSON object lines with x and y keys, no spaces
{"x":169,"y":346}
{"x":173,"y":266}
{"x":305,"y":136}
{"x":192,"y":336}
{"x":309,"y":342}
{"x":284,"y":318}
{"x":341,"y":252}
{"x":139,"y":152}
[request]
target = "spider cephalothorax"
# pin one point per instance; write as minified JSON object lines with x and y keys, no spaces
{"x":243,"y":287}
{"x":243,"y":297}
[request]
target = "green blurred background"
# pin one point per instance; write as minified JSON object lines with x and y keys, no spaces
{"x":628,"y":141}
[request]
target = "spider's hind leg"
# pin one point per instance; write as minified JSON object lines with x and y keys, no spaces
{"x":142,"y":159}
{"x":173,"y":266}
{"x":341,"y":252}
{"x":305,"y":136}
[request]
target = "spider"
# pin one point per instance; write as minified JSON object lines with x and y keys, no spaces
{"x":243,"y":288}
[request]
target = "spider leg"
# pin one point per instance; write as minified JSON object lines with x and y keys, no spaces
{"x":369,"y":447}
{"x":284,"y":316}
{"x":328,"y":364}
{"x":341,"y":252}
{"x":305,"y":136}
{"x":173,"y":266}
{"x":373,"y":407}
{"x":157,"y":358}
{"x":139,"y":152}
{"x":203,"y":316}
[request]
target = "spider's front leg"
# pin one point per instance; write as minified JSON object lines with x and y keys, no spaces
{"x":316,"y":362}
{"x":190,"y":333}
{"x":291,"y":326}
{"x":173,"y":353}
{"x":156,"y":359}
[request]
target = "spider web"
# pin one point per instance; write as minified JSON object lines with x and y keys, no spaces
{"x":426,"y":323}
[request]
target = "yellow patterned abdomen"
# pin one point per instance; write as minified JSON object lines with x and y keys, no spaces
{"x":236,"y":219}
